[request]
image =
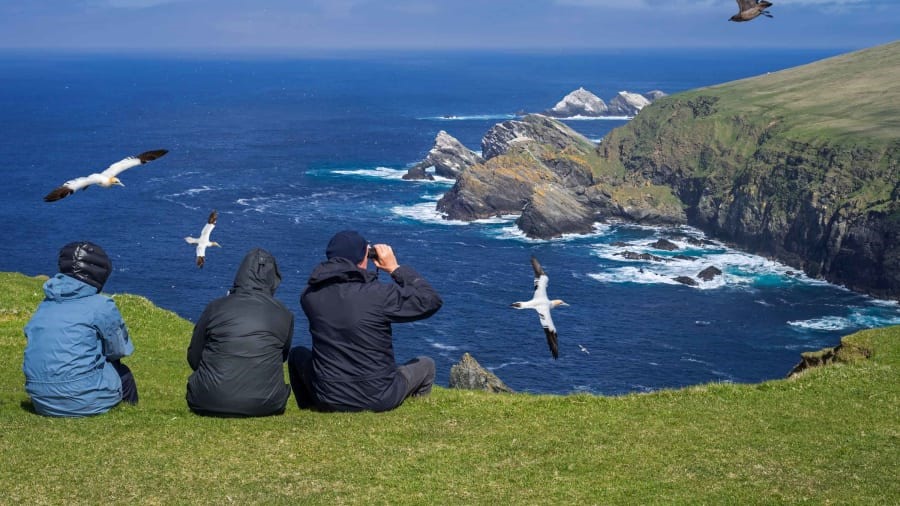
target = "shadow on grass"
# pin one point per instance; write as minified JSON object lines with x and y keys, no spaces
{"x":28,"y":406}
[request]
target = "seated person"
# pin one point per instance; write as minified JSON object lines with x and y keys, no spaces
{"x":351,"y":366}
{"x":75,"y":340}
{"x":240,"y":344}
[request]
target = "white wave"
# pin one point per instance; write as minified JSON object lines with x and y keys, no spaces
{"x":377,"y":172}
{"x":858,"y":318}
{"x":426,"y":212}
{"x":738,"y":268}
{"x":464,"y":117}
{"x":507,"y":364}
{"x":597,"y":118}
{"x":515,"y":233}
{"x":823,"y":323}
{"x":444,"y":347}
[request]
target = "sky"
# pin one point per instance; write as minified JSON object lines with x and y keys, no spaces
{"x":526,"y":25}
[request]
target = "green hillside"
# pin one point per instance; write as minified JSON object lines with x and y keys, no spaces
{"x":830,"y":435}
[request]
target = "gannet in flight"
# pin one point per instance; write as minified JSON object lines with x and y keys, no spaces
{"x":106,"y":178}
{"x":751,"y":9}
{"x":203,"y":242}
{"x":540,"y":303}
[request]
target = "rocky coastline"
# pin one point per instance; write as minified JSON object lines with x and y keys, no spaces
{"x":826,"y":205}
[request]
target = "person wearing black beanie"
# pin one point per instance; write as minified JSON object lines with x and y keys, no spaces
{"x":76,"y":340}
{"x":351,"y":365}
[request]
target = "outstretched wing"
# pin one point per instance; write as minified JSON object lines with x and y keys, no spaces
{"x":549,"y":330}
{"x":210,"y":225}
{"x":133,"y":161}
{"x":68,"y":188}
{"x":746,"y":4}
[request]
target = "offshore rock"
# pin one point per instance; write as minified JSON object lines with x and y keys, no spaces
{"x":469,"y":375}
{"x":627,"y":104}
{"x":687,"y":280}
{"x":665,"y":245}
{"x":631,"y":255}
{"x":709,"y":273}
{"x":653,"y":95}
{"x":580,"y":102}
{"x":448,"y":156}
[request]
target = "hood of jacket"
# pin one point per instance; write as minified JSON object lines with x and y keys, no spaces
{"x":339,"y":270}
{"x":258,"y":272}
{"x":62,"y":287}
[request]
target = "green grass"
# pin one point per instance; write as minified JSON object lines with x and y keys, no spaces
{"x":830,"y":435}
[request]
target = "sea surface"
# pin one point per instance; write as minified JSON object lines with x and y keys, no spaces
{"x":290,"y":150}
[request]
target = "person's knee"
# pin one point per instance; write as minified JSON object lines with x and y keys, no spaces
{"x":428,"y":365}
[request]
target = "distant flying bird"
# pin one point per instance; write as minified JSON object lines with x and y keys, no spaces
{"x":203,"y":242}
{"x":540,"y":303}
{"x":751,"y":9}
{"x":585,"y":350}
{"x":106,"y":178}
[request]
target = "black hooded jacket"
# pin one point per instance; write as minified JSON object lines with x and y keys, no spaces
{"x":239,"y":346}
{"x":350,"y":315}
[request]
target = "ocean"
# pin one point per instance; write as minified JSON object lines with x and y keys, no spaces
{"x":291,"y":149}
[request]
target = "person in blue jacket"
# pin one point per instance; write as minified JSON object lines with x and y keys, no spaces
{"x":351,"y":366}
{"x":76,"y":339}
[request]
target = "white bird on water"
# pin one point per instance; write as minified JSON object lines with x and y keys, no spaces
{"x":540,"y":303}
{"x":106,"y":178}
{"x":203,"y":242}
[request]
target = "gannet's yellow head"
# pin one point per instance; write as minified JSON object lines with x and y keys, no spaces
{"x":557,"y":302}
{"x":214,"y":243}
{"x":115,"y":181}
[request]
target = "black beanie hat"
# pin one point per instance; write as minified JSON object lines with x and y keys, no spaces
{"x":85,"y":261}
{"x":347,"y":244}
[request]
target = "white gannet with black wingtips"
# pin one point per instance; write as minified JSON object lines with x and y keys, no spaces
{"x":203,"y":242}
{"x":540,"y":303}
{"x":106,"y":178}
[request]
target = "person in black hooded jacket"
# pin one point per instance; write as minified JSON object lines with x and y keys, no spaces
{"x":239,"y":345}
{"x":351,"y":365}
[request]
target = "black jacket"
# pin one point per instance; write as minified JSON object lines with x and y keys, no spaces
{"x":239,"y":346}
{"x":350,"y":315}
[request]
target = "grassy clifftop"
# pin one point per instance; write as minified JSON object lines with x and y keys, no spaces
{"x":829,"y":435}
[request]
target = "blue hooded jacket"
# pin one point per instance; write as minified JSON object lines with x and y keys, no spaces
{"x":71,"y":337}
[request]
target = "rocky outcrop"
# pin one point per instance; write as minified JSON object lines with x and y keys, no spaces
{"x":709,"y":273}
{"x":627,"y":104}
{"x":468,"y":374}
{"x":580,"y":102}
{"x":665,"y":245}
{"x":845,"y":352}
{"x":686,"y":280}
{"x":654,"y":95}
{"x":448,"y":156}
{"x":553,"y":211}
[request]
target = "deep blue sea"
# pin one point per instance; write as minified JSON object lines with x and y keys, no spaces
{"x":290,"y":150}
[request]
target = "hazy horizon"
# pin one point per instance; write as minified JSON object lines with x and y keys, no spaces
{"x":341,"y":26}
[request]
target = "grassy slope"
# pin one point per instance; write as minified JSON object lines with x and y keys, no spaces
{"x":854,"y":95}
{"x":830,"y":435}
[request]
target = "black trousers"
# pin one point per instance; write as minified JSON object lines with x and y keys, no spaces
{"x":129,"y":387}
{"x":418,"y":373}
